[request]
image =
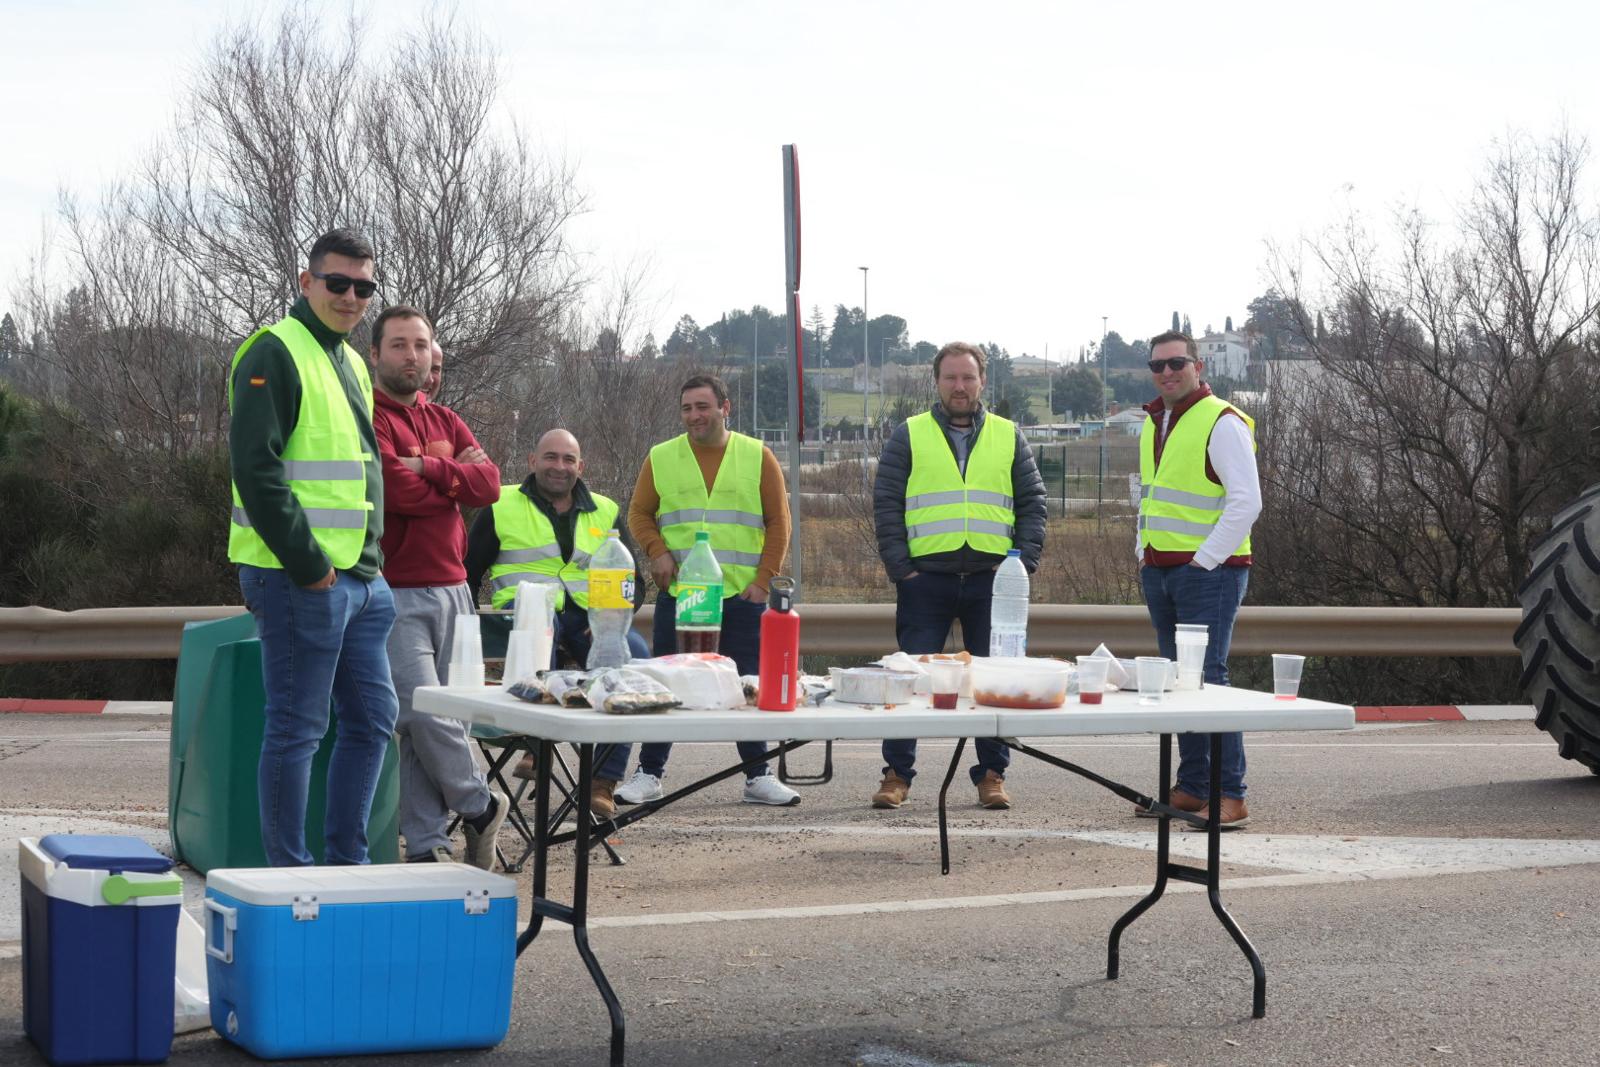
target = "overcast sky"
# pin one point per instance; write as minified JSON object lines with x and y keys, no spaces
{"x":1010,"y":172}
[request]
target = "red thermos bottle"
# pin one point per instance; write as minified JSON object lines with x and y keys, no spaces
{"x":780,"y":649}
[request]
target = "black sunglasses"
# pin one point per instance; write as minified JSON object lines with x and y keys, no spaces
{"x":1175,"y":363}
{"x":339,"y":284}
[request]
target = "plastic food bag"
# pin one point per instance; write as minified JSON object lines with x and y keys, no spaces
{"x":696,"y":679}
{"x":191,"y":1001}
{"x":625,"y":691}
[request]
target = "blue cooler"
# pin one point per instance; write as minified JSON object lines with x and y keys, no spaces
{"x":99,"y":938}
{"x":330,"y":961}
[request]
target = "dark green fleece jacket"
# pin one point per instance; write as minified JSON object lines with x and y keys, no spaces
{"x":264,"y":415}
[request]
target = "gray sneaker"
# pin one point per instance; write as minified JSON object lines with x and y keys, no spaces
{"x":480,"y":843}
{"x":639,"y":789}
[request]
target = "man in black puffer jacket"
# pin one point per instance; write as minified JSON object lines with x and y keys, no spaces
{"x":956,"y":488}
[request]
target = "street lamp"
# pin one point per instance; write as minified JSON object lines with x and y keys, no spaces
{"x":866,"y":361}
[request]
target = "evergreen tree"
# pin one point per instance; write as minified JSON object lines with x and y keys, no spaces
{"x":1175,"y":325}
{"x":1186,"y":327}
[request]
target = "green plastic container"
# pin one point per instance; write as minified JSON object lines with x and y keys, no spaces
{"x":213,"y":810}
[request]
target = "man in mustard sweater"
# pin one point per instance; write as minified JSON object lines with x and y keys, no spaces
{"x":730,"y":485}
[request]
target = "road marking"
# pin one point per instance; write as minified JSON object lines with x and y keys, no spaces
{"x":1311,"y":859}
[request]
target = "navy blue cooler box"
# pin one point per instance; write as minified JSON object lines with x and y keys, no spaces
{"x":99,"y":941}
{"x":325,"y":961}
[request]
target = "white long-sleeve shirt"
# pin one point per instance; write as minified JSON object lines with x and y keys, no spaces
{"x":1233,"y":457}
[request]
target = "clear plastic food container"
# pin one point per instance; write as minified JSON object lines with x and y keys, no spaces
{"x":1019,"y":683}
{"x":872,"y":685}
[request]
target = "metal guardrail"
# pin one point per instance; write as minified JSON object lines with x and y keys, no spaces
{"x":41,"y":634}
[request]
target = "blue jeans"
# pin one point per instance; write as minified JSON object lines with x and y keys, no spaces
{"x":1192,"y":595}
{"x":924,"y":608}
{"x":572,"y":634}
{"x":740,"y":642}
{"x":317,"y":644}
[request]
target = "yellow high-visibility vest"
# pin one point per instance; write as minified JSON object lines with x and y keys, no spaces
{"x":529,"y":551}
{"x":944,"y":509}
{"x":1179,"y":505}
{"x":324,"y":460}
{"x":731,"y":513}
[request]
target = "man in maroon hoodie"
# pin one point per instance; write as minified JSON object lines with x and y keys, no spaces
{"x":431,"y":466}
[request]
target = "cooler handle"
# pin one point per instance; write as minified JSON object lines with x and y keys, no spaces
{"x":120,"y":890}
{"x":230,"y":923}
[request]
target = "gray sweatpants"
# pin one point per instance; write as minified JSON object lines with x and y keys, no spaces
{"x":439,"y":770}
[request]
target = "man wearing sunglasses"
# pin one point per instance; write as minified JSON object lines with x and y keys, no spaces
{"x":306,"y":519}
{"x":1199,"y":495}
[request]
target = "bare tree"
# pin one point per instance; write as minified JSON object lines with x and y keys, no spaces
{"x":286,"y":132}
{"x":1450,"y":411}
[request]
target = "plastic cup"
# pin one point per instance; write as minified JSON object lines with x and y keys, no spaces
{"x":1192,"y":639}
{"x":1286,"y":675}
{"x":466,"y":653}
{"x":1153,"y":674}
{"x":522,"y":657}
{"x":1092,"y":678}
{"x":944,"y":678}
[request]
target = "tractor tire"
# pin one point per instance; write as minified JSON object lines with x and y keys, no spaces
{"x":1559,"y":636}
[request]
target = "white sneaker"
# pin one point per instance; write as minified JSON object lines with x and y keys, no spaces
{"x":768,"y":790}
{"x":640,"y":788}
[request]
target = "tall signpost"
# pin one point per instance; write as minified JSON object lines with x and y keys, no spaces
{"x":797,"y":348}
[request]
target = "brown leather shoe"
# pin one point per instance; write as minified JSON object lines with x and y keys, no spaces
{"x":527,"y":767}
{"x":891,"y":791}
{"x":1180,"y":800}
{"x":602,"y":805}
{"x":1235,"y":815}
{"x":992,"y":791}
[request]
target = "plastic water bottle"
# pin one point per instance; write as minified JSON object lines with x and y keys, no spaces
{"x":610,"y":604}
{"x":699,"y":600}
{"x":1008,"y":611}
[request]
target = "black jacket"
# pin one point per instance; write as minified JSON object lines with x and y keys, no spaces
{"x":889,"y":507}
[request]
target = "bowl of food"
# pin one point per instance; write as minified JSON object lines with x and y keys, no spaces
{"x":1007,"y":682}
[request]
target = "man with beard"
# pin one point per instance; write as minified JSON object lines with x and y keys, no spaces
{"x":431,"y":466}
{"x":957,"y":488}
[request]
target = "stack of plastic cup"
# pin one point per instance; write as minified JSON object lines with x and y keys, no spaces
{"x":1153,"y":674}
{"x":1286,"y":675}
{"x":535,"y":614}
{"x":1192,"y":639}
{"x":1092,"y":678}
{"x":522,"y":658}
{"x":466,"y":653}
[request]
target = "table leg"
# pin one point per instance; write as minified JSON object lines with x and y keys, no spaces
{"x":944,"y":828}
{"x":1163,"y":830}
{"x":1214,"y":880}
{"x":541,"y":846}
{"x":580,"y":904}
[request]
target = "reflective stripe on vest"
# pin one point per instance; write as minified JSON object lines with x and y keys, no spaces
{"x":1179,"y":506}
{"x":946,"y":510}
{"x":529,"y":551}
{"x":731,"y":512}
{"x":324,"y":460}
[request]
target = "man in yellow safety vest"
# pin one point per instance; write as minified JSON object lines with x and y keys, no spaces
{"x":1199,"y":495}
{"x":307,"y":516}
{"x":957,"y":488}
{"x":544,"y":531}
{"x":729,"y":485}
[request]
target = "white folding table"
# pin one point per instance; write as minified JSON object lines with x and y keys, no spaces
{"x":1213,"y":710}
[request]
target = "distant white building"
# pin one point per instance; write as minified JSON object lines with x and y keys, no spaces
{"x":1030,"y":366}
{"x":1225,"y":354}
{"x":1128,"y":420}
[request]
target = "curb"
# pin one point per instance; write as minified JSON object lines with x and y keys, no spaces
{"x":86,"y":707}
{"x":1444,"y":713}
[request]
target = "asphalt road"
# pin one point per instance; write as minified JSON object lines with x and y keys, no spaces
{"x":1420,"y":895}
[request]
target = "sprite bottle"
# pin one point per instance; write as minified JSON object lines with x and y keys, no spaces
{"x":699,"y":607}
